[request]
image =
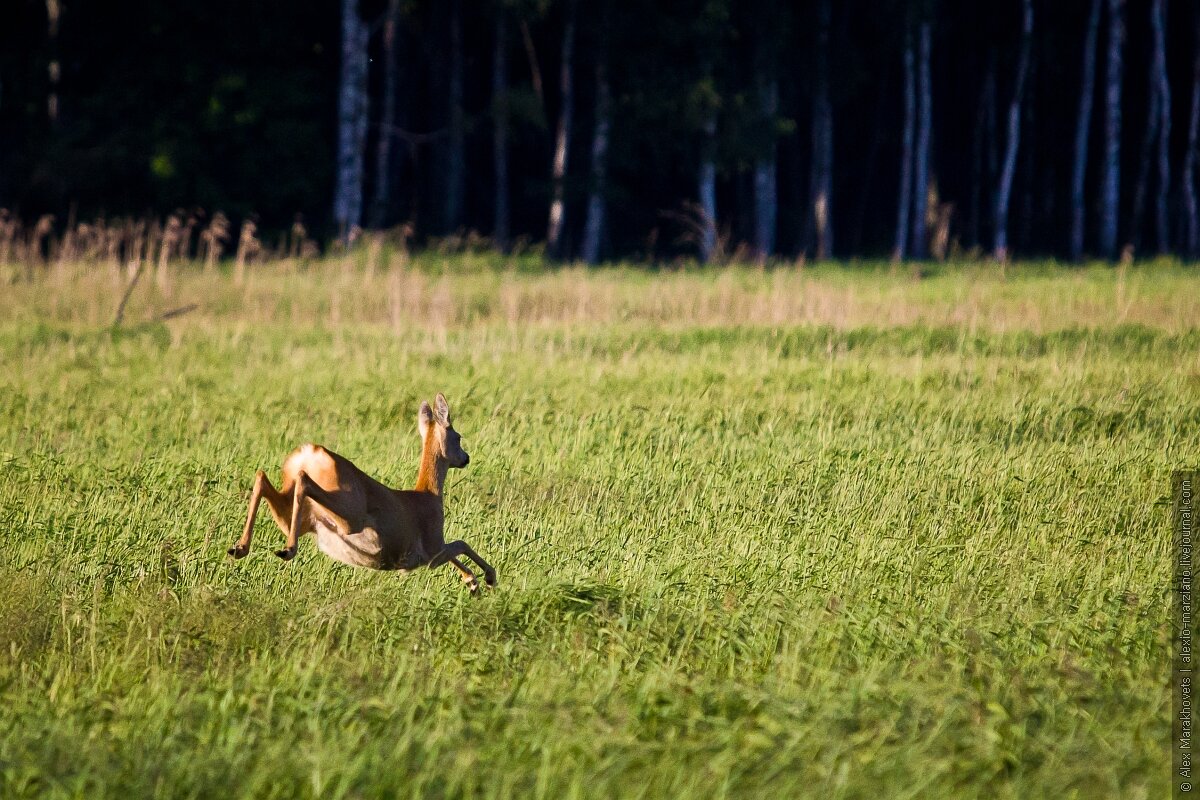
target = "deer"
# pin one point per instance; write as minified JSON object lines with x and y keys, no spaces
{"x":361,"y":522}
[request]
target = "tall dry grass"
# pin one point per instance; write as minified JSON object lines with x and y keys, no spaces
{"x":381,"y":289}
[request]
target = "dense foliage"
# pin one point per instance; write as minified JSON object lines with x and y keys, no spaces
{"x":232,"y":106}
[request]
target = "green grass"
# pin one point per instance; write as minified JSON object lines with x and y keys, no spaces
{"x":888,"y":542}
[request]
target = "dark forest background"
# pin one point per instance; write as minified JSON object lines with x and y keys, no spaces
{"x":686,"y":127}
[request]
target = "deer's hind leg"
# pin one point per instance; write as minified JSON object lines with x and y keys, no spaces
{"x":277,"y":501}
{"x":332,"y":510}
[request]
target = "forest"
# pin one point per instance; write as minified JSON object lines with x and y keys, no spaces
{"x":903,"y":129}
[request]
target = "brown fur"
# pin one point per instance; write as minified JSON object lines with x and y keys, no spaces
{"x":359,"y":521}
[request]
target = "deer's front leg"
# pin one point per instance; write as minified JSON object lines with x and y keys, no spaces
{"x":489,"y":574}
{"x":468,"y":577}
{"x":461,"y":548}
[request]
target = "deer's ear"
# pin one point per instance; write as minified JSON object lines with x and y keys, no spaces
{"x":424,"y":418}
{"x":443,"y":410}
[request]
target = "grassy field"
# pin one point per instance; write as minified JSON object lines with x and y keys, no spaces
{"x":832,"y":532}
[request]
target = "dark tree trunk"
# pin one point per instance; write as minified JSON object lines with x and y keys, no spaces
{"x":352,"y":122}
{"x":562,"y":138}
{"x":535,"y":70}
{"x":1157,"y":137}
{"x":1191,"y":205}
{"x":765,"y":195}
{"x":707,"y":189}
{"x":1146,"y":156}
{"x":766,"y":97}
{"x":904,"y":196}
{"x":993,"y":137}
{"x":920,"y":246}
{"x":1004,"y":189}
{"x":980,"y":172}
{"x":500,"y":220}
{"x":880,"y":121}
{"x":1110,"y":185}
{"x":1027,"y":158}
{"x":54,"y":67}
{"x":1087,"y":90}
{"x":822,"y":140}
{"x":1158,"y":22}
{"x":456,"y":169}
{"x":387,"y":120}
{"x":594,"y":226}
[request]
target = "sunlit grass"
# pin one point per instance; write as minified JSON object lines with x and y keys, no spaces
{"x":890,"y":541}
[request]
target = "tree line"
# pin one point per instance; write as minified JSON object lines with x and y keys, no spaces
{"x":902,"y":128}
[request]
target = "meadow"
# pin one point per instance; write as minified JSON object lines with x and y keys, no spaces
{"x":831,"y":532}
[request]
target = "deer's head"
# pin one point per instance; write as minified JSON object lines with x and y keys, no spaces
{"x":447,"y":442}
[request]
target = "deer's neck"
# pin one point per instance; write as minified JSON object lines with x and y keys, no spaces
{"x":431,"y":476}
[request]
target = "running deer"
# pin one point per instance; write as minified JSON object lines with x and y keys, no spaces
{"x":359,"y":521}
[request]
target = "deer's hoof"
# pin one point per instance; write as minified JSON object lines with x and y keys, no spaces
{"x":238,"y":551}
{"x":286,"y":554}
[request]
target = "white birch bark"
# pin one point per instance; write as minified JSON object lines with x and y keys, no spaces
{"x":765,"y":194}
{"x":352,"y":122}
{"x":1190,"y":203}
{"x":1004,"y":189}
{"x":562,"y":139}
{"x":822,"y":141}
{"x":387,"y":120}
{"x":1158,"y":15}
{"x":1110,"y":184}
{"x":707,"y":188}
{"x":904,"y":196}
{"x":1087,"y":89}
{"x":924,"y":133}
{"x":54,"y":67}
{"x":594,"y":225}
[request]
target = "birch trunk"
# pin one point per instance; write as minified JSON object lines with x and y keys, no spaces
{"x":707,"y":188}
{"x":900,"y":250}
{"x":1110,"y":185}
{"x":765,"y":195}
{"x":822,"y":140}
{"x":594,"y":226}
{"x":562,"y":138}
{"x":352,"y":122}
{"x":1004,"y":189}
{"x":387,"y":120}
{"x":456,"y":172}
{"x":500,"y":222}
{"x":1192,"y":239}
{"x":1087,"y":89}
{"x":54,"y":67}
{"x":921,"y":154}
{"x":1158,"y":23}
